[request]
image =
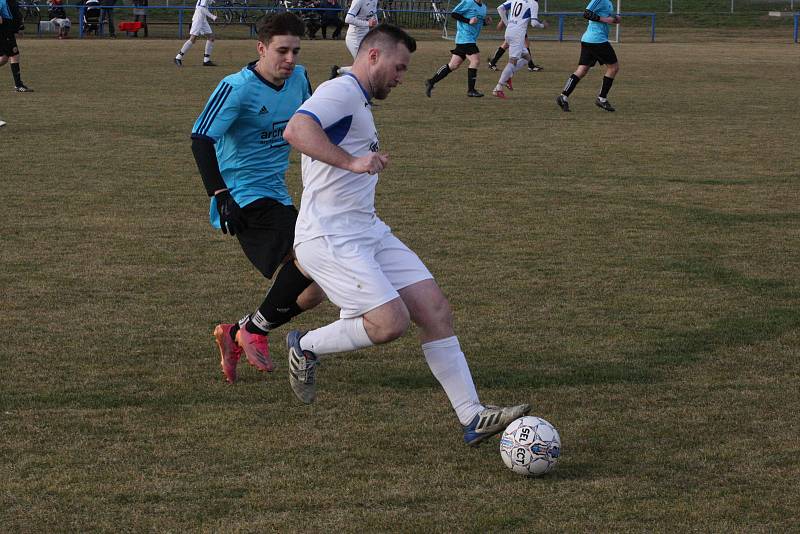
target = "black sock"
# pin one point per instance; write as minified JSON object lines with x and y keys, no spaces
{"x":440,"y":75}
{"x":531,"y":64}
{"x":234,"y":329}
{"x":280,"y":304}
{"x":268,"y":317}
{"x":472,"y":75}
{"x":15,"y":74}
{"x":498,"y":55}
{"x":606,"y":86}
{"x":570,"y":85}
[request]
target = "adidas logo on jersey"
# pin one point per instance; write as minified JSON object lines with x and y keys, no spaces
{"x":263,"y":110}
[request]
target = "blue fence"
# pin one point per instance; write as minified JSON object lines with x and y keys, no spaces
{"x":440,"y":17}
{"x":796,"y":22}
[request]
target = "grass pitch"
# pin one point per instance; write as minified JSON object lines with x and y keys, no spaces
{"x":632,"y":275}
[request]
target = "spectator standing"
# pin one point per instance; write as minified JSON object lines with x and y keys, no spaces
{"x":107,"y":16}
{"x":58,"y":17}
{"x":140,"y":14}
{"x":330,"y":17}
{"x":311,"y":17}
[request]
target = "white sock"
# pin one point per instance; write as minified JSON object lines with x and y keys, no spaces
{"x":449,"y":366}
{"x":507,"y":73}
{"x":345,"y":70}
{"x":342,"y":336}
{"x":185,"y":48}
{"x":207,"y":56}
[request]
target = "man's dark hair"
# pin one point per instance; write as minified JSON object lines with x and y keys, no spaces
{"x":388,"y":33}
{"x":280,"y":24}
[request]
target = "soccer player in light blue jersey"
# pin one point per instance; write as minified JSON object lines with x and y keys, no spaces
{"x":595,"y":48}
{"x":11,"y":24}
{"x":242,"y":157}
{"x":471,"y":16}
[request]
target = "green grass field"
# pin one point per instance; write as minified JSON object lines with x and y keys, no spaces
{"x":635,"y":276}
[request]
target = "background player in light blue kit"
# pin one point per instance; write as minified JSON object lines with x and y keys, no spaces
{"x":471,"y":16}
{"x":595,"y":48}
{"x":239,"y":148}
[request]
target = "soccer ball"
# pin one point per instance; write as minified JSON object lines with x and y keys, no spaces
{"x":530,"y":446}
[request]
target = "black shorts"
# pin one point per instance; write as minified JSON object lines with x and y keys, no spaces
{"x":465,"y":49}
{"x":8,"y":43}
{"x":592,"y":53}
{"x":269,"y":236}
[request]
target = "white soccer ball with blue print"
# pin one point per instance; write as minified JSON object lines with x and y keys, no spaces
{"x":530,"y":446}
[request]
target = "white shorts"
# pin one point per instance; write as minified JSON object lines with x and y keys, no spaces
{"x":359,"y":273}
{"x":62,"y":23}
{"x":200,"y":27}
{"x":516,"y":42}
{"x":352,"y":41}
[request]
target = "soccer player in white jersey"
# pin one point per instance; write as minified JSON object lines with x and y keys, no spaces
{"x":200,"y":27}
{"x":516,"y":15}
{"x":378,"y":283}
{"x":362,"y":15}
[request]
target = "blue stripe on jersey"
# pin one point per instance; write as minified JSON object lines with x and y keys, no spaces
{"x":338,"y":130}
{"x":594,"y":5}
{"x":211,"y":103}
{"x":527,"y":14}
{"x":506,"y":6}
{"x":306,"y":112}
{"x":213,"y":107}
{"x":359,"y":86}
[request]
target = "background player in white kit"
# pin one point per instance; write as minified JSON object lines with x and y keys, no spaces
{"x":516,"y":15}
{"x":200,"y":27}
{"x":362,"y":15}
{"x":378,"y":283}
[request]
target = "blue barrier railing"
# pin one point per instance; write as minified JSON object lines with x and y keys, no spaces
{"x":181,"y":10}
{"x":562,"y":16}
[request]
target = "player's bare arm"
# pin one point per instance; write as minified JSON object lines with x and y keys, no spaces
{"x":306,"y":135}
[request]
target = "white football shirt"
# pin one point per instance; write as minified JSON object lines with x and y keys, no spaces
{"x":358,"y":16}
{"x":201,"y":11}
{"x":336,"y":201}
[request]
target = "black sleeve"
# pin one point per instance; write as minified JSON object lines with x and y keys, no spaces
{"x":591,"y":15}
{"x":310,"y":90}
{"x":459,"y":17}
{"x":16,"y":16}
{"x":206,"y":158}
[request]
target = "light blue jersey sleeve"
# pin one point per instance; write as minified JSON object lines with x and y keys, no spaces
{"x":462,"y":7}
{"x":5,"y":10}
{"x":220,"y":112}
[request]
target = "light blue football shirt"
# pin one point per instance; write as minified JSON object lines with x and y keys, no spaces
{"x":245,"y":118}
{"x":597,"y":32}
{"x":468,"y":33}
{"x":5,"y":10}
